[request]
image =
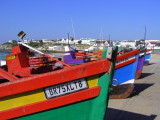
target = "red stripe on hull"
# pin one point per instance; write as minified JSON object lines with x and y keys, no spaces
{"x":148,"y":50}
{"x":125,"y":63}
{"x":121,"y":57}
{"x":49,"y":104}
{"x":55,"y":77}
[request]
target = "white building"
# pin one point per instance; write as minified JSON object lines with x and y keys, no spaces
{"x":46,"y":41}
{"x":127,"y":44}
{"x":54,"y":48}
{"x":27,"y":40}
{"x":12,"y":41}
{"x":88,"y":41}
{"x":76,"y":41}
{"x":152,"y":44}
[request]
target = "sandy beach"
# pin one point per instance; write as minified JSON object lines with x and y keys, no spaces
{"x":144,"y":103}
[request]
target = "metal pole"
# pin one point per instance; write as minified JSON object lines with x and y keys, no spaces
{"x":145,"y":36}
{"x":68,"y":38}
{"x":145,"y":33}
{"x":73,"y":28}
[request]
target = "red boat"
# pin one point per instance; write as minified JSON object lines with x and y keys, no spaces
{"x":32,"y":88}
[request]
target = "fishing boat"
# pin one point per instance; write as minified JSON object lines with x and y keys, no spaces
{"x":74,"y":57}
{"x":124,"y":76}
{"x":147,"y":56}
{"x":96,"y":54}
{"x":125,"y":63}
{"x":122,"y":83}
{"x":141,"y":60}
{"x":33,"y":90}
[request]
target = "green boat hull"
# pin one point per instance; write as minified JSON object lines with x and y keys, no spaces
{"x":91,"y":109}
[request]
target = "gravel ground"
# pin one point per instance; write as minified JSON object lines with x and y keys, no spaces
{"x":144,"y":103}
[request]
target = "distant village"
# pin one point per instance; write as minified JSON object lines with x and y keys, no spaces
{"x":83,"y":43}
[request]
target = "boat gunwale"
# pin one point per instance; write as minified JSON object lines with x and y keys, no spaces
{"x":54,"y":77}
{"x":125,"y":63}
{"x":121,"y":57}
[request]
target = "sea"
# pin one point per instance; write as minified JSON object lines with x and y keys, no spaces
{"x":3,"y":54}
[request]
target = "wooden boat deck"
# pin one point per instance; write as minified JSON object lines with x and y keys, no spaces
{"x":144,"y":103}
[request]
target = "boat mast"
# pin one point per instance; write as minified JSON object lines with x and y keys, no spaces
{"x":144,"y":36}
{"x":73,"y":28}
{"x":145,"y":33}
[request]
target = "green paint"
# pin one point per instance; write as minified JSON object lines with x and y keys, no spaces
{"x":114,"y":57}
{"x":92,"y":109}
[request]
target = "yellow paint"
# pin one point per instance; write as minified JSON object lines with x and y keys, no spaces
{"x":92,"y":81}
{"x":33,"y":96}
{"x":11,"y":57}
{"x":21,"y":99}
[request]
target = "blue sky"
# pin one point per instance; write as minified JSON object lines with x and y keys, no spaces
{"x":51,"y":19}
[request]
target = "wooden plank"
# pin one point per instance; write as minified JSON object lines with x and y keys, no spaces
{"x":7,"y":76}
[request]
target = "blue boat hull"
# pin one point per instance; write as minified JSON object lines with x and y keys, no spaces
{"x":125,"y":74}
{"x":147,"y":58}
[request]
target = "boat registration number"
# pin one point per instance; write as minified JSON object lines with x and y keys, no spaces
{"x":65,"y":88}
